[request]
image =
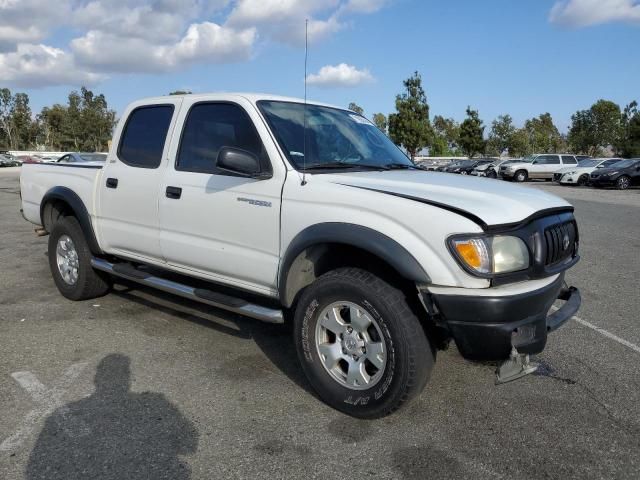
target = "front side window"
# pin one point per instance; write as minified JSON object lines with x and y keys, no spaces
{"x":317,"y":137}
{"x":144,"y":136}
{"x":212,"y":126}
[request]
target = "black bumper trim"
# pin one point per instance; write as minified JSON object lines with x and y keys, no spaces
{"x":486,"y":328}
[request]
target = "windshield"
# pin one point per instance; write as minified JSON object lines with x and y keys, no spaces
{"x":94,"y":157}
{"x":623,"y":164}
{"x":333,"y":137}
{"x":588,"y":163}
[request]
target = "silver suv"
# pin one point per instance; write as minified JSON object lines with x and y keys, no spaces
{"x":537,"y":166}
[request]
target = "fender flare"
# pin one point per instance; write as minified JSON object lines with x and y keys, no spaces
{"x":354,"y":235}
{"x":75,"y":203}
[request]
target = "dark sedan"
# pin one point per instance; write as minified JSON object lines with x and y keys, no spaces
{"x":621,"y":175}
{"x":465,"y":167}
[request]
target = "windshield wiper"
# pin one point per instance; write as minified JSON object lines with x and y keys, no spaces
{"x":343,"y":165}
{"x":401,"y":166}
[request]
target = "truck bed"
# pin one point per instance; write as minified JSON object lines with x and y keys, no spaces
{"x":36,"y":179}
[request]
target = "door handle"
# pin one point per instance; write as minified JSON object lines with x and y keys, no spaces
{"x":112,"y":183}
{"x":173,"y":192}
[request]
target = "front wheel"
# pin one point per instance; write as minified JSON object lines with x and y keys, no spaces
{"x":70,"y":262}
{"x":623,"y":182}
{"x":521,"y":176}
{"x":492,"y":174}
{"x":583,"y":180}
{"x":360,"y":344}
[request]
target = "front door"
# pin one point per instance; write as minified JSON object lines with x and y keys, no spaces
{"x":131,"y":181}
{"x":214,"y":223}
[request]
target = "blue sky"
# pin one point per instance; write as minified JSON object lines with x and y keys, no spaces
{"x":522,"y":57}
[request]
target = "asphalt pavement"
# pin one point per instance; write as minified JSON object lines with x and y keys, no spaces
{"x":140,"y":384}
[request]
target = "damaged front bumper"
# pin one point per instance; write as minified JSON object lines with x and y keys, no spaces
{"x":489,"y":327}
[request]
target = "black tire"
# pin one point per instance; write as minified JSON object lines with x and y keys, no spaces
{"x":521,"y":176}
{"x":90,"y":283}
{"x":492,"y":174}
{"x":410,"y":357}
{"x":623,"y":182}
{"x":583,"y":180}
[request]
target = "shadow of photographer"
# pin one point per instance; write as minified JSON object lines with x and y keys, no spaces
{"x":114,"y":433}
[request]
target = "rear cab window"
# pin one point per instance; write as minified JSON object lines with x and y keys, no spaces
{"x":569,"y":160}
{"x":144,"y":135}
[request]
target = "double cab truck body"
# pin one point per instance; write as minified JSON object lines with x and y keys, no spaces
{"x":270,"y":206}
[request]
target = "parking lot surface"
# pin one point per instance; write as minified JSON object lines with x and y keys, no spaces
{"x":140,"y":384}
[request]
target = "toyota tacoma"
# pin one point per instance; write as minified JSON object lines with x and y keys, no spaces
{"x":276,"y":209}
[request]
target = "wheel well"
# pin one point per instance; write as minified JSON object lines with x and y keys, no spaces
{"x":319,"y":259}
{"x":53,"y":210}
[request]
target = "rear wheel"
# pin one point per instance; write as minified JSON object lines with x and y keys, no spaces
{"x":70,"y":262}
{"x":521,"y":176}
{"x":623,"y":182}
{"x":361,"y":346}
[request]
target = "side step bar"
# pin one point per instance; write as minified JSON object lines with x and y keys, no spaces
{"x":210,"y":297}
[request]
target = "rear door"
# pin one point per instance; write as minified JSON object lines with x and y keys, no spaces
{"x":545,"y":165}
{"x":213,"y":223}
{"x":132,"y":179}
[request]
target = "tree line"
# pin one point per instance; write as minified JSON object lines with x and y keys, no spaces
{"x":603,"y":126}
{"x":85,"y":123}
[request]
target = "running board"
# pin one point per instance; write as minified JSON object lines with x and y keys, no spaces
{"x":210,"y":297}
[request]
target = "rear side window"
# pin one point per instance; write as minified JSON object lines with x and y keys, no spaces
{"x":144,"y":136}
{"x":212,"y":126}
{"x":547,"y":159}
{"x":569,"y":160}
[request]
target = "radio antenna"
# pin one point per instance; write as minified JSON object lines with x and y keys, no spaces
{"x":304,"y":110}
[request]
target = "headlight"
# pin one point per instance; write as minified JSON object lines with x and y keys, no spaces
{"x":572,"y":172}
{"x":611,"y":174}
{"x":490,"y":255}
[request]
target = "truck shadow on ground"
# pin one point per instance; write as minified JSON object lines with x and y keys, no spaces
{"x":275,"y":341}
{"x":114,"y":433}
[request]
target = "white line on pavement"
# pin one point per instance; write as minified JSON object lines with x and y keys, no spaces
{"x":607,"y":334}
{"x":46,"y":400}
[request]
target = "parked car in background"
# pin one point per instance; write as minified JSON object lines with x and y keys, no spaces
{"x":28,"y":159}
{"x":489,"y":170}
{"x":540,"y":167}
{"x":8,"y":160}
{"x":75,"y":157}
{"x":579,"y":175}
{"x":621,"y":175}
{"x":465,"y":167}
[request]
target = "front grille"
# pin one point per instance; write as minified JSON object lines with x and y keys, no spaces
{"x":502,"y":169}
{"x":560,"y":242}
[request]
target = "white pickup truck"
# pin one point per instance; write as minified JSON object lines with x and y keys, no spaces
{"x":267,"y":206}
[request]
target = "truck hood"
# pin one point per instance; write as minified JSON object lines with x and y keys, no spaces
{"x":494,"y":202}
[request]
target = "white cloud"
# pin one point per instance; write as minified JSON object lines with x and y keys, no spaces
{"x":140,"y":36}
{"x":583,"y":13}
{"x":29,"y":20}
{"x":107,"y":52}
{"x":40,"y":65}
{"x":341,"y":75}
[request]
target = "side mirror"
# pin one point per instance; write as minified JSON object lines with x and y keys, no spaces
{"x":239,"y":162}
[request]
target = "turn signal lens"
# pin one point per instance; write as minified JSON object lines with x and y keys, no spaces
{"x":474,"y":253}
{"x":491,"y":255}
